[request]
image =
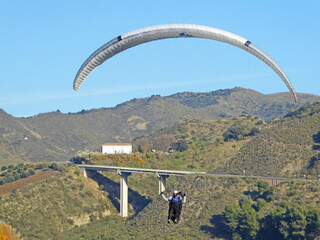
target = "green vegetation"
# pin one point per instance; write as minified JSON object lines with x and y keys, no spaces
{"x":8,"y":233}
{"x":259,"y":216}
{"x":45,"y":209}
{"x":69,"y":206}
{"x":237,"y":132}
{"x":288,"y":147}
{"x":217,"y":209}
{"x":57,"y":137}
{"x":14,"y":173}
{"x":197,"y":144}
{"x":205,"y":197}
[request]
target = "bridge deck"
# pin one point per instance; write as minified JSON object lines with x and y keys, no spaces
{"x":162,"y":175}
{"x":137,"y":170}
{"x":179,"y":173}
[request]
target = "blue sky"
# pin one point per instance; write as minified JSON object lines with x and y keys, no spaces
{"x":44,"y":43}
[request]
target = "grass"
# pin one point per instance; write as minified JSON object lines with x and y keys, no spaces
{"x":45,"y":208}
{"x":201,"y":218}
{"x":206,"y":150}
{"x":69,"y":206}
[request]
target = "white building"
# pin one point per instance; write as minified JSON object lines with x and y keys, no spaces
{"x":112,"y":148}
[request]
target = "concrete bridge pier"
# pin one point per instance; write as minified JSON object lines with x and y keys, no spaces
{"x":83,"y":171}
{"x":124,"y":193}
{"x":162,"y":182}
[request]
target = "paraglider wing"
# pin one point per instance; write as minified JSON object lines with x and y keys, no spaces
{"x":149,"y":34}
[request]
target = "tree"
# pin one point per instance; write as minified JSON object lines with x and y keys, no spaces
{"x":40,"y":166}
{"x":265,"y":191}
{"x":293,"y":223}
{"x":31,"y":171}
{"x":313,"y":222}
{"x":285,"y":222}
{"x":143,"y":144}
{"x":54,"y":166}
{"x":3,"y":168}
{"x":78,"y":160}
{"x":248,"y":222}
{"x":236,"y":132}
{"x":16,"y":176}
{"x":163,"y":142}
{"x":24,"y":174}
{"x":231,"y":215}
{"x":242,"y":220}
{"x":7,"y":232}
{"x":20,"y":165}
{"x":181,"y":145}
{"x":140,"y":149}
{"x":10,"y":178}
{"x":3,"y":181}
{"x":254,"y":131}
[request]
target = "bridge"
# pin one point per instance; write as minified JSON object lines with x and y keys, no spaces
{"x":162,"y":175}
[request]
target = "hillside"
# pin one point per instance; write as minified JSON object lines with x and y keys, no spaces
{"x":57,"y":137}
{"x":198,"y":145}
{"x":288,"y":147}
{"x":202,"y":216}
{"x":69,"y":206}
{"x":44,"y":208}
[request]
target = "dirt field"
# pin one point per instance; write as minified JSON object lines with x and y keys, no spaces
{"x":9,"y":187}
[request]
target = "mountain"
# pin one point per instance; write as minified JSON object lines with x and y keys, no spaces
{"x":54,"y":204}
{"x":288,"y":147}
{"x":69,"y":206}
{"x":57,"y":137}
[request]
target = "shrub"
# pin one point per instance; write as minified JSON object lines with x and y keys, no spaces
{"x":259,"y":122}
{"x":254,"y":131}
{"x":10,"y":178}
{"x":54,"y":166}
{"x":236,"y":132}
{"x":16,"y":176}
{"x":24,"y":174}
{"x":3,"y":168}
{"x":40,"y":166}
{"x":31,"y":171}
{"x":7,"y":232}
{"x":3,"y":181}
{"x":181,"y":145}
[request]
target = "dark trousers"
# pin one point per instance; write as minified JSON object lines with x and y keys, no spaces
{"x":174,"y":211}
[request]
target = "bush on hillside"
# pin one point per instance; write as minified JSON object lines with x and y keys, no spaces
{"x":235,"y":132}
{"x":251,"y":219}
{"x":7,"y":232}
{"x":180,"y":145}
{"x":14,"y":173}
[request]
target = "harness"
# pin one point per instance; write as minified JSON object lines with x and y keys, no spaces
{"x":176,"y":199}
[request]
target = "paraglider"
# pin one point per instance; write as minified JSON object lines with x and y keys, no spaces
{"x":175,"y":205}
{"x":148,"y":34}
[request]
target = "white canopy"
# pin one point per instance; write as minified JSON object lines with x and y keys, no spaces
{"x":148,"y":34}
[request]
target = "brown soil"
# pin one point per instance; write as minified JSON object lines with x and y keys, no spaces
{"x":9,"y":187}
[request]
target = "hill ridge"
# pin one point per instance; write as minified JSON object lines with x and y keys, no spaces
{"x":56,"y":136}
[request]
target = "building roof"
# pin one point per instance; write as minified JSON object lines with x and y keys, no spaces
{"x":117,"y":144}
